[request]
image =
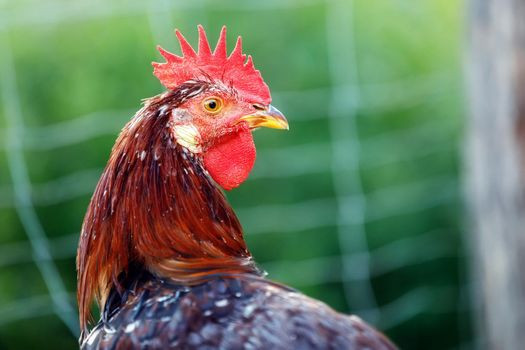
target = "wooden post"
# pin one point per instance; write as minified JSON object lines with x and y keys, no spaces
{"x":495,"y":176}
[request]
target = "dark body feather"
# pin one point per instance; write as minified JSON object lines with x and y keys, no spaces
{"x":227,"y":312}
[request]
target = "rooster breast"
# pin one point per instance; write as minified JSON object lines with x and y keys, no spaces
{"x":229,"y":312}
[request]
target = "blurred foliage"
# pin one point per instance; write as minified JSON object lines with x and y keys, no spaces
{"x":83,"y":67}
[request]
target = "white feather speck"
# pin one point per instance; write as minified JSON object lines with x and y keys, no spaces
{"x":221,"y":303}
{"x":92,"y":337}
{"x":248,"y":310}
{"x":163,"y":109}
{"x":131,"y":327}
{"x":163,"y":298}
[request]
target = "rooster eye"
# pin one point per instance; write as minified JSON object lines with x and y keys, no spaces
{"x":213,"y":104}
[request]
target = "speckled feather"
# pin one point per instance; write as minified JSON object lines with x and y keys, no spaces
{"x":226,"y":312}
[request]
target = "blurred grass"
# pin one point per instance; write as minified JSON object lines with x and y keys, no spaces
{"x":74,"y":58}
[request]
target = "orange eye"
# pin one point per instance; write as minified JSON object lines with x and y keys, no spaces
{"x":213,"y":104}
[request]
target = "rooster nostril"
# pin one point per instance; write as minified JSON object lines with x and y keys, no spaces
{"x":259,"y":107}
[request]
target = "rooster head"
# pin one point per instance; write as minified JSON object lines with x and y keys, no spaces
{"x":224,"y":98}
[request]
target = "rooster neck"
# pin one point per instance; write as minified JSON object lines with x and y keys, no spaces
{"x":156,"y":206}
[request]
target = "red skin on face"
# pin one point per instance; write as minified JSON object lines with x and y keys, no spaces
{"x":228,"y":147}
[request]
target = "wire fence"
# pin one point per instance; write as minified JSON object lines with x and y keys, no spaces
{"x":349,"y":209}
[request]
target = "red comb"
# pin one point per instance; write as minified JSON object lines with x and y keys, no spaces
{"x":233,"y":70}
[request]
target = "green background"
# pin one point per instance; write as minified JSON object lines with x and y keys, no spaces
{"x":358,"y":205}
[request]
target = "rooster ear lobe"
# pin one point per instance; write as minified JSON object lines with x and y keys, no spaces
{"x":188,"y":136}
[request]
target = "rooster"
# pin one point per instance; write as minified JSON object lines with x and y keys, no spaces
{"x":162,"y":251}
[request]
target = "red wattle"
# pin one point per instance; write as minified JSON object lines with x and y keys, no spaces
{"x":230,"y":160}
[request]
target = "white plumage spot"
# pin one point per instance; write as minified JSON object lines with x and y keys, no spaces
{"x":248,"y":310}
{"x":221,"y":303}
{"x":163,"y":109}
{"x":131,"y":327}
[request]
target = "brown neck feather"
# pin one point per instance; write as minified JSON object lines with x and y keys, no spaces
{"x":155,"y":206}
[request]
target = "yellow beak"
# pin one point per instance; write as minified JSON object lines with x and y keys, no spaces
{"x":270,"y":117}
